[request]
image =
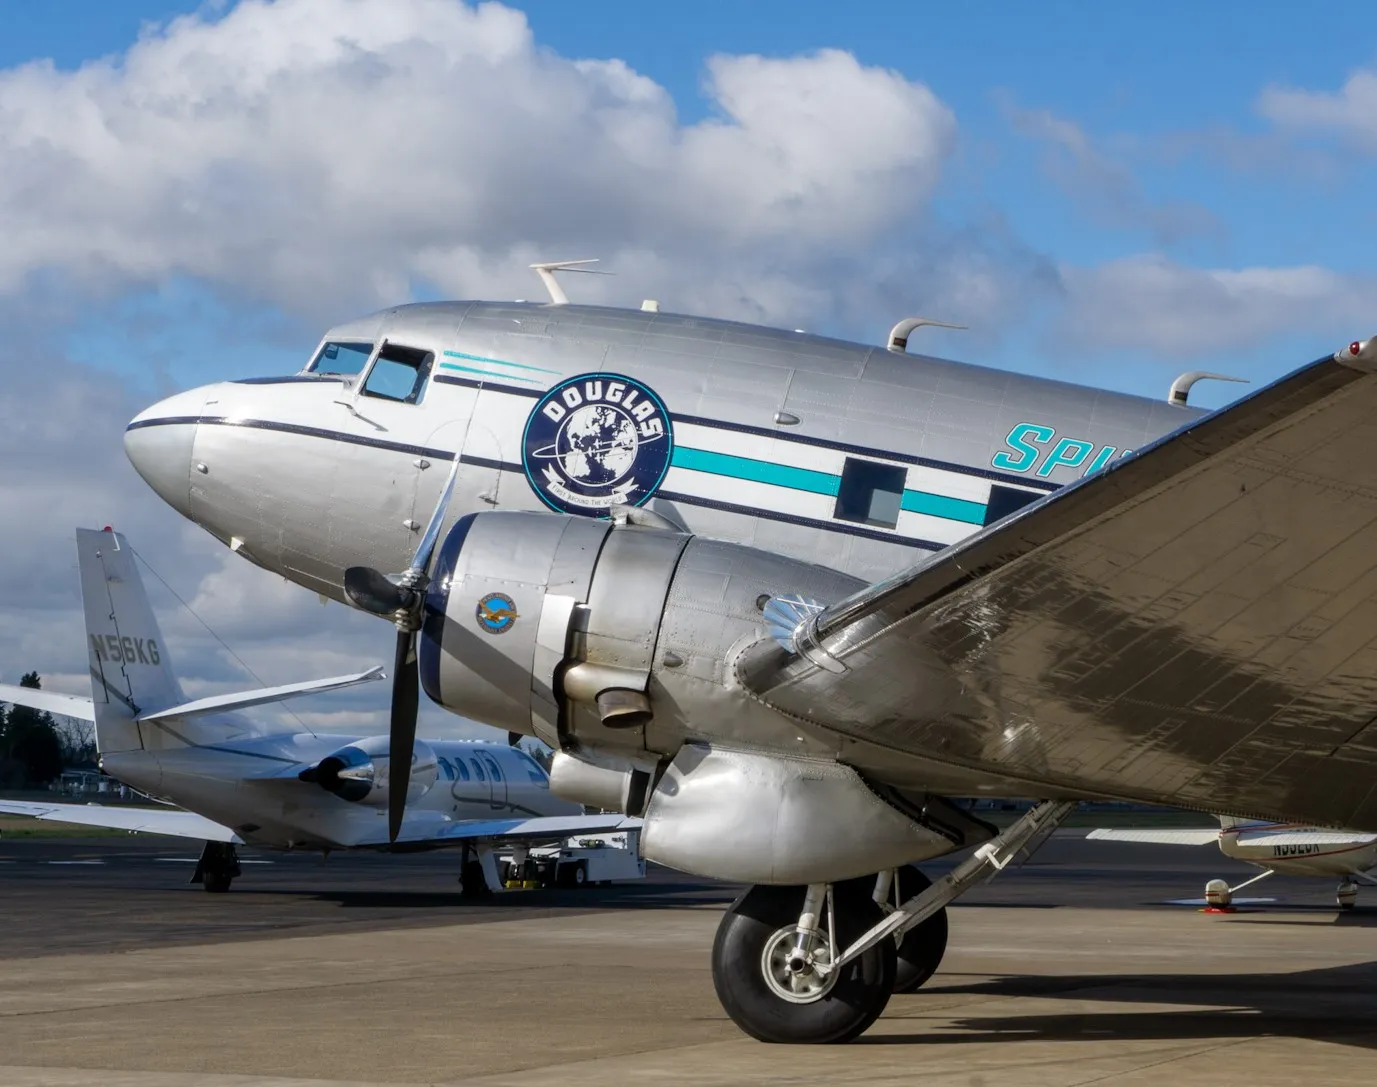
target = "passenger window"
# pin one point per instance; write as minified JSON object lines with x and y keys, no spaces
{"x":1005,"y":500}
{"x":478,"y":770}
{"x":345,"y":359}
{"x":870,"y":493}
{"x":494,"y":770}
{"x":446,"y":768}
{"x":399,"y":374}
{"x":462,"y":769}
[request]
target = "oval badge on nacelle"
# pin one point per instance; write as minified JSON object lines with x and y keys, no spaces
{"x":595,"y":441}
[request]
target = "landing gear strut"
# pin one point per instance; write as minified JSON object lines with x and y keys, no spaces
{"x":919,"y":950}
{"x":818,"y":963}
{"x":217,"y":868}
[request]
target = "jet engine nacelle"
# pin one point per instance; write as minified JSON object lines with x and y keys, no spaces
{"x":358,"y":772}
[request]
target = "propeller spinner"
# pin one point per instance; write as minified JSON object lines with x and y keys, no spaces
{"x":401,"y":600}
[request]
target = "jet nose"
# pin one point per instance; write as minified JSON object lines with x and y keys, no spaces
{"x":159,"y":443}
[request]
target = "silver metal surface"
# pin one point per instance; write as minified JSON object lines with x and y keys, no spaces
{"x":1195,"y":626}
{"x":824,"y":824}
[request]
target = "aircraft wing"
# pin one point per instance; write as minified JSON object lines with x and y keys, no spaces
{"x":66,"y":705}
{"x":1159,"y":835}
{"x":1330,"y":839}
{"x":545,"y":828}
{"x":1194,"y":626}
{"x":170,"y":821}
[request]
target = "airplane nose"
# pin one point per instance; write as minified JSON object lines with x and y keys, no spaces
{"x":159,"y":444}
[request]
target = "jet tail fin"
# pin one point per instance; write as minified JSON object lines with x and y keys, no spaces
{"x":130,"y":670}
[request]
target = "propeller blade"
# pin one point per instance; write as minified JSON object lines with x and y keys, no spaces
{"x":426,"y":547}
{"x":406,"y":693}
{"x":371,"y":591}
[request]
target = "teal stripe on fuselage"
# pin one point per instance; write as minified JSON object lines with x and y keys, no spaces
{"x":805,"y":479}
{"x":940,"y":505}
{"x":757,"y":471}
{"x":497,"y":362}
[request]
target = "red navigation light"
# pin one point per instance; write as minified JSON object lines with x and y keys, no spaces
{"x":1354,"y":347}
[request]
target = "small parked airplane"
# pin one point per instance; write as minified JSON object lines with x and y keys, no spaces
{"x":1273,"y":847}
{"x":298,"y":791}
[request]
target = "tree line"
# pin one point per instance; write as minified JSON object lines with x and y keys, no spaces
{"x":35,"y":746}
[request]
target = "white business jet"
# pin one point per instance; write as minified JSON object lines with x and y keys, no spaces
{"x":300,"y":791}
{"x":1273,"y":847}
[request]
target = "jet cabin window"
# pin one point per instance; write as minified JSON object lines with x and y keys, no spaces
{"x":870,"y":493}
{"x":399,"y":374}
{"x":345,"y":359}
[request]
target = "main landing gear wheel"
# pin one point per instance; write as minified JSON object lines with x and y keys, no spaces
{"x":1348,"y":895}
{"x":768,"y":984}
{"x":217,"y":867}
{"x":922,"y":947}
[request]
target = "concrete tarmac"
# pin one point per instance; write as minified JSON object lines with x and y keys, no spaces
{"x":1069,"y":971}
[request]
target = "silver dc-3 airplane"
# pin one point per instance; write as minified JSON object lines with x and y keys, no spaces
{"x":298,"y":791}
{"x":1273,"y":847}
{"x":782,"y":595}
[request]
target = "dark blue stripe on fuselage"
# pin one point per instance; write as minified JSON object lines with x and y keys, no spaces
{"x":292,"y":379}
{"x":689,"y":500}
{"x":784,"y":436}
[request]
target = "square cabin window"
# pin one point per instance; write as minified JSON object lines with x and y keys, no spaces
{"x":870,"y":493}
{"x":399,"y":374}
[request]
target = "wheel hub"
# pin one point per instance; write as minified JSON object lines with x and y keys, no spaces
{"x":799,"y":976}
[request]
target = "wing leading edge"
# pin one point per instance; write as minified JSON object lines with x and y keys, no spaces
{"x":177,"y":824}
{"x":1194,"y":626}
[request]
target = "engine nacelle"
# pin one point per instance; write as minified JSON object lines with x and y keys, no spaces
{"x":614,"y":638}
{"x":616,"y":645}
{"x":358,"y":773}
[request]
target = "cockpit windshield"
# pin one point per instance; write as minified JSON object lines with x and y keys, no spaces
{"x":345,"y":359}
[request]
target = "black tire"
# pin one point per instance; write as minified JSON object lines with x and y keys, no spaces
{"x":473,"y":884}
{"x":853,"y":1003}
{"x":217,"y":883}
{"x":921,"y":951}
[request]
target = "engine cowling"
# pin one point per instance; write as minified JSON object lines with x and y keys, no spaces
{"x":615,"y":644}
{"x":610,"y":637}
{"x":358,"y":772}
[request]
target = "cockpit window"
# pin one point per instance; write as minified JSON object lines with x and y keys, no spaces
{"x":345,"y":359}
{"x":399,"y":374}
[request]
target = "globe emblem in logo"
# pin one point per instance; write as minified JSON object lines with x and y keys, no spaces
{"x":595,"y":444}
{"x":595,"y":441}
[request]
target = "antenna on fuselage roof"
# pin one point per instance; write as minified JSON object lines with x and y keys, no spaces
{"x":899,"y":334}
{"x":547,"y":271}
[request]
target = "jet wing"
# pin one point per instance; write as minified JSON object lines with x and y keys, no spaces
{"x":1158,"y":835}
{"x":1194,"y":626}
{"x":545,"y":828}
{"x":170,"y":821}
{"x":1328,"y":839}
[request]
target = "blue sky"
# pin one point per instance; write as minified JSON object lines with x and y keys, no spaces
{"x":1165,"y":93}
{"x":1108,"y":193}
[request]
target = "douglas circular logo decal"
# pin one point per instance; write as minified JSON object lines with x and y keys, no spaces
{"x":496,"y":613}
{"x":596,"y":441}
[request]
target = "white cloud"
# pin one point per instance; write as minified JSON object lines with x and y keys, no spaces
{"x":1350,"y":112}
{"x":1153,"y":305}
{"x":1105,"y":188}
{"x":321,"y":153}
